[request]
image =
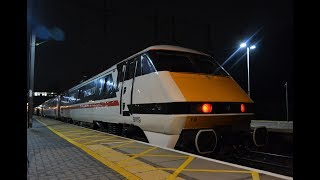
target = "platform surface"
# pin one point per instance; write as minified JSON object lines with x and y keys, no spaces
{"x":74,"y":152}
{"x":51,"y":157}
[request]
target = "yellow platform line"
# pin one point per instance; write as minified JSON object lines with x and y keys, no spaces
{"x":71,"y":129}
{"x":76,"y":135}
{"x":108,"y":148}
{"x":159,"y":155}
{"x":208,"y":170}
{"x":255,"y":175}
{"x":137,"y":147}
{"x":108,"y":141}
{"x":125,"y":143}
{"x":74,"y":130}
{"x":113,"y":147}
{"x":111,"y":165}
{"x":89,"y":136}
{"x":62,"y":127}
{"x":72,"y":136}
{"x":65,"y":128}
{"x":77,"y":132}
{"x":138,"y":155}
{"x":97,"y":140}
{"x":182,"y":166}
{"x":87,"y":139}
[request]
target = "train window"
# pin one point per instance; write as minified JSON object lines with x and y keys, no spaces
{"x":174,"y":63}
{"x":73,"y":97}
{"x":130,"y":69}
{"x":146,"y":65}
{"x":105,"y":87}
{"x":64,"y":99}
{"x":206,"y":65}
{"x":101,"y":87}
{"x":186,"y":62}
{"x":80,"y":95}
{"x":88,"y":92}
{"x":110,"y":87}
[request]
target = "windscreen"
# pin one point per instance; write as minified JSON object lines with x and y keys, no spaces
{"x":175,"y":61}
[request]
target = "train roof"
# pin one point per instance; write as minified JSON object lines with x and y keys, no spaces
{"x":174,"y":48}
{"x":155,"y":47}
{"x":168,"y":48}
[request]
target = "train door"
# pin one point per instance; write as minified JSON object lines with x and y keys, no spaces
{"x":128,"y":72}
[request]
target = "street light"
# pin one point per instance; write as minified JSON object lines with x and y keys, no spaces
{"x":42,"y":32}
{"x":243,"y":45}
{"x":37,"y":44}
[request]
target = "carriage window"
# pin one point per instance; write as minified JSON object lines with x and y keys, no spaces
{"x":89,"y":89}
{"x":110,"y":87}
{"x":88,"y":92}
{"x":64,"y":99}
{"x":80,"y":95}
{"x":73,"y":96}
{"x":101,"y":87}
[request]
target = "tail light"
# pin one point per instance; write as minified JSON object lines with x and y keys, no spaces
{"x":206,"y":108}
{"x":243,"y":108}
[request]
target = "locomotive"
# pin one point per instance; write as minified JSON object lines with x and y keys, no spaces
{"x":166,"y":95}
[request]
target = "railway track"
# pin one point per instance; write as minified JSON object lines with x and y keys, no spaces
{"x":276,"y":163}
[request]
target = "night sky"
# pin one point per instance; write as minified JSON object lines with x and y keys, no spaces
{"x":100,"y":33}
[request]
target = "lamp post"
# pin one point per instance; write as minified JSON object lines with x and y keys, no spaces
{"x":33,"y":45}
{"x":243,"y":45}
{"x":56,"y":34}
{"x":31,"y":78}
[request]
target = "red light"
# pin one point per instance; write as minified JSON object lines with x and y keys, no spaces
{"x":243,"y":108}
{"x":206,"y":108}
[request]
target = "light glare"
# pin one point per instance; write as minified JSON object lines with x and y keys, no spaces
{"x":243,"y":45}
{"x":253,"y":47}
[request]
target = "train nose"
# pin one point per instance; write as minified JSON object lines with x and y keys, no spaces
{"x":260,"y":136}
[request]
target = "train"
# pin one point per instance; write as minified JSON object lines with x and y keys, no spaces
{"x":166,"y":95}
